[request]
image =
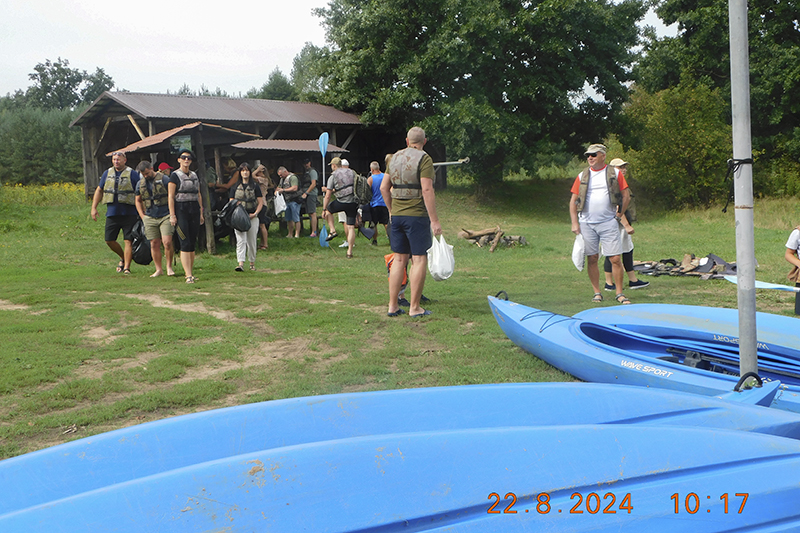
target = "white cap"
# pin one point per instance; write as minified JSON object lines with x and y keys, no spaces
{"x":345,"y":163}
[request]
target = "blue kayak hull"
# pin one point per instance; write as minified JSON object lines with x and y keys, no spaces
{"x":603,"y":353}
{"x":550,"y":478}
{"x":154,"y":448}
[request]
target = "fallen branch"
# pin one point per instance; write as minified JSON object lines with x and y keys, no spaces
{"x":492,"y":237}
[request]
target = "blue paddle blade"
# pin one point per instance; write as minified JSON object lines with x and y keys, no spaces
{"x":323,"y":237}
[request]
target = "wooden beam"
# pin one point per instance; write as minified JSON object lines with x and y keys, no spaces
{"x":102,"y":136}
{"x":347,"y":142}
{"x":138,"y":129}
{"x":274,"y":133}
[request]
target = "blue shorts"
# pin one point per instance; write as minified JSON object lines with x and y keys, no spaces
{"x":292,"y":211}
{"x":411,"y":235}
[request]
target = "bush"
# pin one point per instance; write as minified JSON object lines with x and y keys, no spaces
{"x":685,"y":143}
{"x":38,"y":147}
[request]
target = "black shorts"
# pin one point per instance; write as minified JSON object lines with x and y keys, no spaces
{"x":350,"y":210}
{"x":378,"y":214}
{"x":120,"y":222}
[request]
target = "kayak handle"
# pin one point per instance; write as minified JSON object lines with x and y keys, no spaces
{"x":504,"y":293}
{"x":748,"y":375}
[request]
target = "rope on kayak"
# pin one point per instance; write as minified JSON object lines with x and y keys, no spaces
{"x":547,"y":323}
{"x":744,"y":377}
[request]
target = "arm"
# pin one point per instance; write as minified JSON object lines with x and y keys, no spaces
{"x":573,"y":214}
{"x":386,"y":192}
{"x":310,"y":188}
{"x":626,"y":199}
{"x":98,"y":195}
{"x":791,"y":256}
{"x":429,"y":197}
{"x":200,"y":201}
{"x":171,"y":188}
{"x":140,"y":206}
{"x":627,"y":225}
{"x":258,"y":207}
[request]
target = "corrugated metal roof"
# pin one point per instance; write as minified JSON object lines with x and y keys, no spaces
{"x":212,"y":134}
{"x":213,"y":108}
{"x":285,"y":145}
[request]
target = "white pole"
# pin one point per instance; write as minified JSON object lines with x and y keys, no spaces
{"x":743,"y":185}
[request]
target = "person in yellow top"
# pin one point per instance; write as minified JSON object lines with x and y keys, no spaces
{"x":409,"y":195}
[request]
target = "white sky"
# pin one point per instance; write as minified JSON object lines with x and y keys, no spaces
{"x":158,"y":45}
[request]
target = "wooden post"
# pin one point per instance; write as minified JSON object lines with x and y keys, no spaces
{"x":208,"y":222}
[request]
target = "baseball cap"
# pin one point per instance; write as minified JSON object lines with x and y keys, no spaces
{"x":594,"y":148}
{"x":164,"y":166}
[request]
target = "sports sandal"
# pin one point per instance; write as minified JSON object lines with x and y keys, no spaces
{"x":120,"y":266}
{"x":621,"y":298}
{"x":126,"y":271}
{"x":331,"y":236}
{"x":597,"y":298}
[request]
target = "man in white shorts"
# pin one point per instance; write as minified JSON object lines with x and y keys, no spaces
{"x":599,"y":197}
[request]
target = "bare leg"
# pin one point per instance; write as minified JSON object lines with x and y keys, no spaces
{"x":616,"y":271}
{"x":396,"y":275}
{"x":350,"y":232}
{"x":416,"y":279}
{"x":155,"y":251}
{"x":313,"y":223}
{"x":593,"y":271}
{"x":187,"y":261}
{"x":169,"y":252}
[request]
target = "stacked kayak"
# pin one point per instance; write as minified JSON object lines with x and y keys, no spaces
{"x":686,"y":348}
{"x":512,"y":457}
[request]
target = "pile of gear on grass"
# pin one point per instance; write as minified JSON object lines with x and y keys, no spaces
{"x":492,"y":237}
{"x":708,"y":267}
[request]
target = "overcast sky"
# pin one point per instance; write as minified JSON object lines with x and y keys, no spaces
{"x":158,"y":45}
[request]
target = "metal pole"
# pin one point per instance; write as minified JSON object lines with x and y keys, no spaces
{"x":743,"y":185}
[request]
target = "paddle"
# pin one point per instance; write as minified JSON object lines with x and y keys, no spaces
{"x":765,"y":285}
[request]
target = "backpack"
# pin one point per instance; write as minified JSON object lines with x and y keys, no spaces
{"x":362,"y":190}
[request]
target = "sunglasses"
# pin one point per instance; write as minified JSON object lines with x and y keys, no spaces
{"x":185,"y":157}
{"x":593,"y":154}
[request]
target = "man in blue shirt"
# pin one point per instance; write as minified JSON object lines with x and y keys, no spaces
{"x":117,"y":189}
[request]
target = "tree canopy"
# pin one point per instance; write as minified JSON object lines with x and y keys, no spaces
{"x":487,"y":79}
{"x":57,"y":86}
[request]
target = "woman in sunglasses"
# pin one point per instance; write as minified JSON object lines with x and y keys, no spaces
{"x":186,"y":210}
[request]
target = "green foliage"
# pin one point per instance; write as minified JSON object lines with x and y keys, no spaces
{"x":685,"y":144}
{"x":700,"y":52}
{"x":37,"y":146}
{"x":277,"y":87}
{"x":57,"y":86}
{"x":488,"y":80}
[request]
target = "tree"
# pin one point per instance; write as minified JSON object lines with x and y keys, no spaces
{"x":684,"y":143}
{"x":57,"y":86}
{"x":701,"y":52}
{"x":488,"y":79}
{"x":277,"y":87}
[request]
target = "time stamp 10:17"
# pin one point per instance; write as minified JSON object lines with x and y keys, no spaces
{"x":609,"y":503}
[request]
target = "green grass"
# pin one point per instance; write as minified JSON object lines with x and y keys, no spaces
{"x":85,"y":350}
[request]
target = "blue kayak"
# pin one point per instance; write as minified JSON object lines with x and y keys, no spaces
{"x":134,"y":458}
{"x":638,"y":351}
{"x":572,"y":478}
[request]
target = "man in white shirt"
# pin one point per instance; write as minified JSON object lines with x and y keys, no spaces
{"x":599,"y":197}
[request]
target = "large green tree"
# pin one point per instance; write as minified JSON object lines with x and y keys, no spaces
{"x":57,"y":86}
{"x":277,"y":87}
{"x":701,"y":51}
{"x":489,"y":79}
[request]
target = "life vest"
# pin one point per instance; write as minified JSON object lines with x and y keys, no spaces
{"x":306,"y":182}
{"x":122,"y":188}
{"x":246,"y":194}
{"x":343,"y":180}
{"x":612,"y":182}
{"x":189,"y":188}
{"x":405,"y":174}
{"x":290,"y":196}
{"x":159,"y":194}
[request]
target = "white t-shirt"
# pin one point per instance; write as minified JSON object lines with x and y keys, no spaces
{"x":598,"y":207}
{"x":794,"y":241}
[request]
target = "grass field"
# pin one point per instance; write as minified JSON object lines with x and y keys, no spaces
{"x":85,"y":350}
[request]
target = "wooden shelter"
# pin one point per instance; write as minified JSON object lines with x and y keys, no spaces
{"x":120,"y":119}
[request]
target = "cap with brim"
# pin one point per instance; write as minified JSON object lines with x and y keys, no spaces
{"x":345,"y":163}
{"x":164,"y":166}
{"x":594,"y":148}
{"x":336,"y":161}
{"x":617,"y":162}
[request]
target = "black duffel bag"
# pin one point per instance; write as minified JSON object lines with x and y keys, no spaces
{"x":140,"y":245}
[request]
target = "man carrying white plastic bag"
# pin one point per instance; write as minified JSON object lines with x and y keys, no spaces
{"x":441,"y":261}
{"x":407,"y":190}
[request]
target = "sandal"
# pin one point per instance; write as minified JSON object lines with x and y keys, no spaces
{"x":239,"y":268}
{"x":597,"y":298}
{"x":252,"y":266}
{"x":189,"y":279}
{"x":263,"y":248}
{"x":621,"y":298}
{"x":331,"y":236}
{"x":349,"y":255}
{"x":120,"y":266}
{"x":126,"y":271}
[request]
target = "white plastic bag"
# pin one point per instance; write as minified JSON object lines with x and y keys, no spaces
{"x":441,"y":262}
{"x":578,"y":256}
{"x":280,"y":204}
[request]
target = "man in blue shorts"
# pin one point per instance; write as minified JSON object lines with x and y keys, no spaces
{"x":289,"y":187}
{"x":117,"y":189}
{"x":407,"y":190}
